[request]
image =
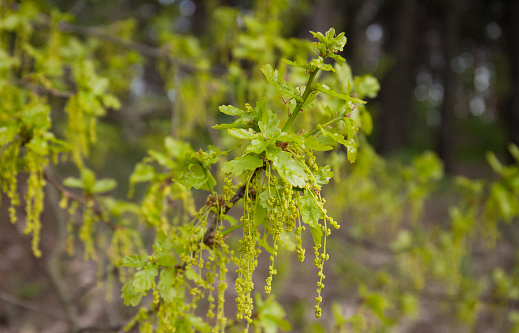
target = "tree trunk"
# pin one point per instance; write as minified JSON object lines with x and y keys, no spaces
{"x":511,"y":113}
{"x":397,"y":85}
{"x":445,"y":132}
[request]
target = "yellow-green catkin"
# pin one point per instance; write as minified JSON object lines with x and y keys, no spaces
{"x":34,"y":200}
{"x":9,"y":177}
{"x":86,"y":231}
{"x":248,"y":261}
{"x":70,"y":227}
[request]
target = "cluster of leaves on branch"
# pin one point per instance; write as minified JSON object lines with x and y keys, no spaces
{"x":281,"y":195}
{"x":263,"y":184}
{"x":434,"y":262}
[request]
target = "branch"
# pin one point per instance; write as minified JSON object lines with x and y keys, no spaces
{"x":7,"y":298}
{"x":100,"y":328}
{"x":212,"y":224}
{"x":488,"y":300}
{"x":143,"y":49}
{"x":38,"y":89}
{"x":369,"y":245}
{"x":79,"y":199}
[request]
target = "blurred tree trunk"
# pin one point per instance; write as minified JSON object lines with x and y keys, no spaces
{"x":445,"y":138}
{"x":321,"y":16}
{"x":397,"y":85}
{"x":511,"y":29}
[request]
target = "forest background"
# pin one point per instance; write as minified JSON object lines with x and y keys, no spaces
{"x":428,"y":240}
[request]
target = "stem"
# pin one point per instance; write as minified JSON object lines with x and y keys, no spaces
{"x":298,"y":107}
{"x":231,"y":229}
{"x":206,"y":173}
{"x":323,"y":125}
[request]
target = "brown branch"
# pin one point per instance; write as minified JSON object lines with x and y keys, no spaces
{"x":146,"y":50}
{"x":38,"y":89}
{"x":100,"y":328}
{"x":486,"y":299}
{"x":212,"y":224}
{"x":79,"y":199}
{"x":141,"y":48}
{"x":7,"y":298}
{"x":369,"y":245}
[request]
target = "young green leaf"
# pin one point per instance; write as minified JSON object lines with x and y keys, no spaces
{"x":319,"y":63}
{"x":324,"y":175}
{"x":310,"y":210}
{"x":366,"y":85}
{"x":143,"y":172}
{"x":38,"y":145}
{"x":198,"y":323}
{"x":232,"y":110}
{"x":288,"y":168}
{"x":241,"y":133}
{"x":104,"y":185}
{"x":73,"y":182}
{"x":270,"y":192}
{"x":338,"y":59}
{"x":313,"y":143}
{"x":88,"y":178}
{"x":242,"y":164}
{"x":36,"y":116}
{"x":195,"y":177}
{"x":285,"y":88}
{"x":329,"y":91}
{"x":339,"y":138}
{"x":366,"y":122}
{"x":290,"y":137}
{"x":8,"y":133}
{"x":351,"y":149}
{"x":130,"y":296}
{"x":288,"y":240}
{"x":317,"y":234}
{"x":134,"y":260}
{"x":190,"y":274}
{"x":176,"y":148}
{"x":144,"y":279}
{"x":258,"y":146}
{"x":166,"y":285}
{"x":300,"y":65}
{"x":236,"y":124}
{"x":162,"y":159}
{"x":260,"y":213}
{"x":268,"y":124}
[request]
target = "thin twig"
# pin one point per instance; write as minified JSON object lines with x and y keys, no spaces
{"x":79,"y":199}
{"x":485,"y":299}
{"x":371,"y":246}
{"x":211,"y":226}
{"x":7,"y":298}
{"x":38,"y":89}
{"x":143,"y":49}
{"x":100,"y":328}
{"x":77,"y":7}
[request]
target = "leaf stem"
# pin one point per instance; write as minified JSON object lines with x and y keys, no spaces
{"x":323,"y":125}
{"x":206,"y":173}
{"x":298,"y":107}
{"x":231,"y":229}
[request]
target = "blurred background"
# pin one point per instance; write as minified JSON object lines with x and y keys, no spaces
{"x":448,"y":69}
{"x":449,"y":78}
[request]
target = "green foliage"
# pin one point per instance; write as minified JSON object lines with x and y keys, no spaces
{"x":270,"y":161}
